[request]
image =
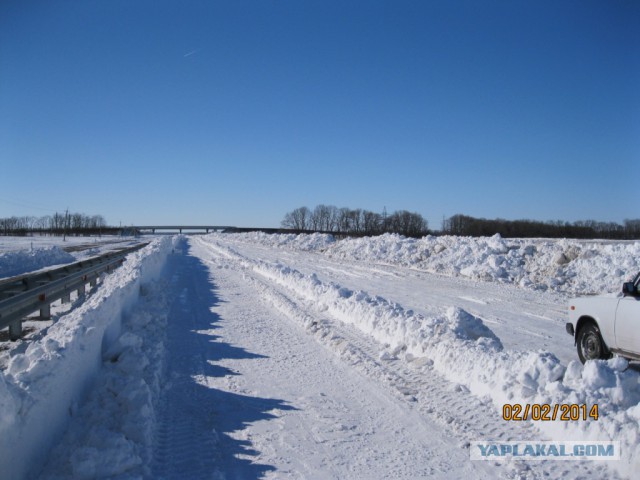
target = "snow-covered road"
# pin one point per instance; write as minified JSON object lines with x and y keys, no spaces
{"x":241,"y":360}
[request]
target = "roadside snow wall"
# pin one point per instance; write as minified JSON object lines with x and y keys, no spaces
{"x":41,"y":388}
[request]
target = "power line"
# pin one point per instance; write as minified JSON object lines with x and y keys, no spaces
{"x":27,"y":205}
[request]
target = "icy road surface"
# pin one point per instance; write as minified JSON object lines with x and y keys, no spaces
{"x":250,"y":391}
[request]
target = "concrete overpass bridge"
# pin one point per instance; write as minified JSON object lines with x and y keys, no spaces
{"x":179,"y":228}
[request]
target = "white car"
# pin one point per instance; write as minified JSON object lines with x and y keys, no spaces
{"x":606,"y":325}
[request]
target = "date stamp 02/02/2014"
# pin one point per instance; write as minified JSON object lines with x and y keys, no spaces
{"x":545,"y":412}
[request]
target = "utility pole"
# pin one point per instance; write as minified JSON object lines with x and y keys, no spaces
{"x":384,"y":219}
{"x":66,"y":221}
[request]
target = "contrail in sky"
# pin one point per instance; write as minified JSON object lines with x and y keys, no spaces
{"x":191,"y":53}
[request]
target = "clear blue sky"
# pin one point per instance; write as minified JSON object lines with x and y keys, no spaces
{"x":235,"y":112}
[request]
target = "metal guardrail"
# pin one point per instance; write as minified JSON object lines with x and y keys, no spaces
{"x":25,"y":294}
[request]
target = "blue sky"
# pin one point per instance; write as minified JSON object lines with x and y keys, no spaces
{"x":235,"y":112}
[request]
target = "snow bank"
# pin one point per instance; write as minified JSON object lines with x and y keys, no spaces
{"x":23,"y":261}
{"x":568,"y":266}
{"x":467,"y":352}
{"x":113,"y":432}
{"x":305,"y":242}
{"x":41,"y":388}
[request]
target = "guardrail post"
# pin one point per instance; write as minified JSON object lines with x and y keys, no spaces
{"x":66,"y":298}
{"x":45,"y":311}
{"x":93,"y":282}
{"x":15,"y":330}
{"x":82,"y":290}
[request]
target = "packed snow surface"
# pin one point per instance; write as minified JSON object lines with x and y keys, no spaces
{"x":271,"y":356}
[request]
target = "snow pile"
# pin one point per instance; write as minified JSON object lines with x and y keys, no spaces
{"x":600,"y":268}
{"x":612,"y":386}
{"x":467,"y":352}
{"x":42,"y":387}
{"x":563,"y":265}
{"x":304,"y":242}
{"x":559,"y":265}
{"x":22,"y":261}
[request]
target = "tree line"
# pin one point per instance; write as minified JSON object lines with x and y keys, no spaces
{"x":56,"y":224}
{"x":584,"y":229}
{"x":357,"y":222}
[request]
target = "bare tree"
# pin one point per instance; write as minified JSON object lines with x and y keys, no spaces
{"x":299,"y":219}
{"x":354,"y":221}
{"x":372,"y":223}
{"x":407,"y":224}
{"x":74,"y":223}
{"x":344,"y":220}
{"x":632,"y":228}
{"x":322,"y":218}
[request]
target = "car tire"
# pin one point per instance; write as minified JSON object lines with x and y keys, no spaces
{"x":590,"y":344}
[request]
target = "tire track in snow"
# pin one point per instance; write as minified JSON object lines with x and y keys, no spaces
{"x":186,"y":442}
{"x":195,"y":420}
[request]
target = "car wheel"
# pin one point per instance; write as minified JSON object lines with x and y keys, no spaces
{"x":590,"y":344}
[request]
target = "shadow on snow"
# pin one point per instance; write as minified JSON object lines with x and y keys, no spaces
{"x":196,"y":420}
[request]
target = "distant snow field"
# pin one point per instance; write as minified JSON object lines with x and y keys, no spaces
{"x":278,"y":356}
